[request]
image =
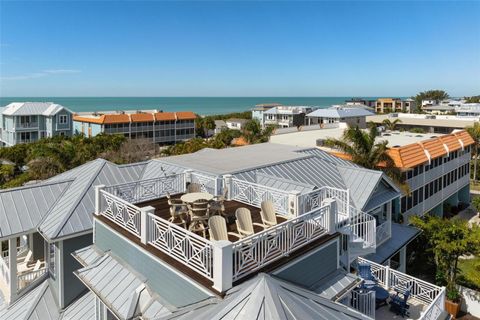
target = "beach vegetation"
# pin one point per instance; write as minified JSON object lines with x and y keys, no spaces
{"x":437,"y":95}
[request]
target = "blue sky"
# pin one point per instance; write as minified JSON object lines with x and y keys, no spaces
{"x":229,"y":48}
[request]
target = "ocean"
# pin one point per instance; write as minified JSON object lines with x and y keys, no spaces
{"x":199,"y":105}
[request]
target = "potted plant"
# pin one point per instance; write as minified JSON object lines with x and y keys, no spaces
{"x":453,"y":300}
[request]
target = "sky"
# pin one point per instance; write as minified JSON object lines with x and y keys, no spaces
{"x":233,"y":48}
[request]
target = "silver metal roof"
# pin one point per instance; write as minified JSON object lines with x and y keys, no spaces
{"x":88,"y":255}
{"x":361,"y":182}
{"x":266,"y":297}
{"x":22,"y":209}
{"x":401,"y":236}
{"x":32,"y":108}
{"x":73,"y":212}
{"x":120,"y":288}
{"x":340,"y":113}
{"x":335,"y":284}
{"x":81,"y":309}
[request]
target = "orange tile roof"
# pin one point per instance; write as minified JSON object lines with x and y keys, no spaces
{"x":465,"y":137}
{"x":98,"y":120}
{"x":408,"y":156}
{"x":186,"y":115}
{"x":116,"y":118}
{"x":165,"y":116}
{"x":451,"y":142}
{"x":142,"y":117}
{"x":434,"y":147}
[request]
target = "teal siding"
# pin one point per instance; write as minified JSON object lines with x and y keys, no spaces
{"x":72,"y":286}
{"x":310,"y":270}
{"x":171,"y":287}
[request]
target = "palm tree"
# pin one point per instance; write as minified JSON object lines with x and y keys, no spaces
{"x":391,"y":125}
{"x":475,"y":133}
{"x":363,"y":150}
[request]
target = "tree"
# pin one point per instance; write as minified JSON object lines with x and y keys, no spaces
{"x":391,"y":125}
{"x":208,"y":124}
{"x":473,"y":99}
{"x":475,"y":134}
{"x":448,"y":239}
{"x":364,"y":151}
{"x":253,"y":132}
{"x":476,"y":203}
{"x":437,"y":95}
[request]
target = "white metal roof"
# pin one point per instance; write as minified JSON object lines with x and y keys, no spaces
{"x":33,"y":108}
{"x":340,"y":112}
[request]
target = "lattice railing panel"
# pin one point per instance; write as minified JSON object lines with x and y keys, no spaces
{"x":123,"y":213}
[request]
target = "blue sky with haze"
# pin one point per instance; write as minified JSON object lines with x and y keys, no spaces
{"x":228,"y":48}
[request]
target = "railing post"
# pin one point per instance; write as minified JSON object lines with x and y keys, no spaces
{"x":227,"y":180}
{"x":12,"y":265}
{"x":293,"y":203}
{"x":98,"y":199}
{"x":332,"y":214}
{"x":188,"y":176}
{"x":387,"y":277}
{"x":144,"y":211}
{"x":222,"y":265}
{"x":218,"y":186}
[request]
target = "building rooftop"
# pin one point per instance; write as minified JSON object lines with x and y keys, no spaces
{"x":340,"y":111}
{"x":32,"y":108}
{"x":289,"y":109}
{"x":426,"y":120}
{"x":112,"y":117}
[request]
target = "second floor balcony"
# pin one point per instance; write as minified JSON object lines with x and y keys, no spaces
{"x":140,"y":210}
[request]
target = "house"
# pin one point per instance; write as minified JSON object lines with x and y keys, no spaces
{"x":346,"y":114}
{"x":23,"y":122}
{"x":388,"y":105}
{"x":427,"y":122}
{"x":361,"y":102}
{"x":140,"y":264}
{"x":286,"y":116}
{"x":257,"y":112}
{"x":159,"y":127}
{"x":235,"y":124}
{"x":468,"y":110}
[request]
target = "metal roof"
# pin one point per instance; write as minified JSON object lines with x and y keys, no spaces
{"x":88,"y":255}
{"x":335,"y":284}
{"x":267,"y":297}
{"x":81,"y":309}
{"x":121,"y":289}
{"x":361,"y":182}
{"x":73,"y":212}
{"x":22,"y":209}
{"x":338,"y":112}
{"x":33,"y":108}
{"x":401,"y":236}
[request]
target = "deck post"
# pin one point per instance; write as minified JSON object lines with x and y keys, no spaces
{"x":188,"y":176}
{"x":332,"y":214}
{"x":218,"y":185}
{"x":12,"y":265}
{"x":98,"y":199}
{"x":387,"y":277}
{"x":144,"y":211}
{"x":293,"y":203}
{"x":227,"y":181}
{"x":222,"y":265}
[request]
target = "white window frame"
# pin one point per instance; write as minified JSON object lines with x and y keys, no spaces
{"x":62,"y":119}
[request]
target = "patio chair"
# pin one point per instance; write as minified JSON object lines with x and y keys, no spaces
{"x":198,"y":216}
{"x":178,"y":211}
{"x":217,"y":205}
{"x":269,"y":218}
{"x":398,"y":303}
{"x":244,"y":222}
{"x":217,"y":228}
{"x":365,"y":272}
{"x":23,"y":264}
{"x":194,"y":187}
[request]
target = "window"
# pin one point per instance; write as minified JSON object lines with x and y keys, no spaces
{"x":51,"y":259}
{"x":404,"y":204}
{"x":63,"y":119}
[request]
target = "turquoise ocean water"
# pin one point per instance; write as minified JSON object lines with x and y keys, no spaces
{"x":200,"y":105}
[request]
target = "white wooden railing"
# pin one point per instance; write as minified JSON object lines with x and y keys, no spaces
{"x":122,"y":212}
{"x":4,"y":270}
{"x":28,"y":277}
{"x":436,"y":308}
{"x":311,"y":200}
{"x":423,"y":291}
{"x":207,"y":183}
{"x":364,"y":302}
{"x":256,"y":251}
{"x":383,"y":232}
{"x":184,"y":246}
{"x":150,"y":189}
{"x":253,"y":194}
{"x":363,"y":226}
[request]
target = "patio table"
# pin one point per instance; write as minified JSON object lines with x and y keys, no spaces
{"x":194,"y":196}
{"x":381,"y":296}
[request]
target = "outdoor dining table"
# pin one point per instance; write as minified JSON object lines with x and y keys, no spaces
{"x":194,"y":196}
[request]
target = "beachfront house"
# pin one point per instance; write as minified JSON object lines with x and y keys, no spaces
{"x":348,"y":115}
{"x":257,"y":112}
{"x":286,"y":116}
{"x":158,"y":127}
{"x":23,"y":122}
{"x":146,"y":262}
{"x":388,"y":105}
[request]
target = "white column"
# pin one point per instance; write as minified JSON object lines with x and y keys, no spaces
{"x":403,"y":260}
{"x":144,"y":211}
{"x":332,"y":214}
{"x":389,"y":218}
{"x":98,"y":199}
{"x":387,"y":276}
{"x":227,"y":178}
{"x":12,"y":264}
{"x":222,"y":265}
{"x":293,"y":203}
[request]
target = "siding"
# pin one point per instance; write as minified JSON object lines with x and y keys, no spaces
{"x":310,"y":270}
{"x":169,"y":285}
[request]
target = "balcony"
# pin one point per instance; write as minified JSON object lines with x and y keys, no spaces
{"x":139,"y":210}
{"x":26,"y":125}
{"x":426,"y":300}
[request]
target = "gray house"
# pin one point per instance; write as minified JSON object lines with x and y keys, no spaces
{"x":22,"y":122}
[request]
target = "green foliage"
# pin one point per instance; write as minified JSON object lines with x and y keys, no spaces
{"x":254,"y":133}
{"x":7,"y":172}
{"x":364,"y":151}
{"x":448,"y":240}
{"x":476,"y":203}
{"x":474,"y":132}
{"x":391,"y":125}
{"x":430,"y":95}
{"x":469,"y":273}
{"x":204,"y":124}
{"x":417,"y":130}
{"x":473,"y":99}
